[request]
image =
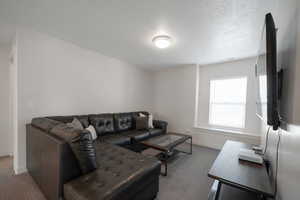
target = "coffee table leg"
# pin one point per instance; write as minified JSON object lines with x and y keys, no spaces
{"x":191,"y":148}
{"x":191,"y":152}
{"x":166,"y":168}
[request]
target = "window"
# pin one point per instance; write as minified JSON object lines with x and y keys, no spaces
{"x":227,"y":104}
{"x":262,"y":102}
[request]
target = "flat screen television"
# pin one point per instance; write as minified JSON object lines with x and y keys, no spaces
{"x":267,"y":76}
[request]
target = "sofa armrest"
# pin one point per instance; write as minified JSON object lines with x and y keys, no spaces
{"x":50,"y":160}
{"x":160,"y":125}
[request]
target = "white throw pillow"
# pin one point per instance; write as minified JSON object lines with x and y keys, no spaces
{"x":150,"y":121}
{"x":142,"y":115}
{"x":93,"y":132}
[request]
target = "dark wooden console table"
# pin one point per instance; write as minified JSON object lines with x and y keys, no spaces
{"x":237,"y":178}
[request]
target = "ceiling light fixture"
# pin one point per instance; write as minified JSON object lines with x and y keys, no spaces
{"x":162,"y":41}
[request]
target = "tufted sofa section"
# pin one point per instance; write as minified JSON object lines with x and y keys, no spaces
{"x":122,"y":174}
{"x":117,"y":128}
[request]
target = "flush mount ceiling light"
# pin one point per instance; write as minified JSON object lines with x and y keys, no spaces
{"x":162,"y":41}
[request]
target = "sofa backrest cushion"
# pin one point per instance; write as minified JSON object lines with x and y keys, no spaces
{"x":84,"y":119}
{"x":103,"y":123}
{"x":44,"y":123}
{"x":123,"y":121}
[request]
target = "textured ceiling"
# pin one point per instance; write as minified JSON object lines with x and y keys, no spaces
{"x":203,"y":31}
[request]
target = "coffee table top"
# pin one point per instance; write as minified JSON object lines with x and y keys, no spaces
{"x":166,"y":142}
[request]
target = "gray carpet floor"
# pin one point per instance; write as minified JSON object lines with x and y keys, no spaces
{"x":187,"y":178}
{"x":16,"y":187}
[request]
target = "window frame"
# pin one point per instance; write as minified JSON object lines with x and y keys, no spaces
{"x":210,"y":123}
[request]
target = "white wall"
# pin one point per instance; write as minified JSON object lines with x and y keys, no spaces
{"x":239,"y":68}
{"x":287,"y":20}
{"x":175,"y":101}
{"x":174,"y":93}
{"x":55,"y":77}
{"x":6,"y":146}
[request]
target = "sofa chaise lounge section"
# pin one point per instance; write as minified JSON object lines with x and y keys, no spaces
{"x":121,"y":173}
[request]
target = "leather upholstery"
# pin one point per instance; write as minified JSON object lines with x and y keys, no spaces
{"x":63,"y":119}
{"x":123,"y":121}
{"x":81,"y":143}
{"x":119,"y":169}
{"x":84,"y":150}
{"x":103,"y":123}
{"x":44,"y":123}
{"x":84,"y":119}
{"x":65,"y":132}
{"x":155,"y":132}
{"x":159,"y":124}
{"x":138,"y":135}
{"x":138,"y":182}
{"x":117,"y":139}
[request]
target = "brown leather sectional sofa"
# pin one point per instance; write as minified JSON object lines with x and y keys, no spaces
{"x":121,"y":174}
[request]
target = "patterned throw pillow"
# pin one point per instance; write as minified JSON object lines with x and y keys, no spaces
{"x":150,"y":119}
{"x":81,"y":143}
{"x":84,"y":150}
{"x":142,"y":123}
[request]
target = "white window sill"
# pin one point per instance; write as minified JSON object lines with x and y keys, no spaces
{"x":211,"y":130}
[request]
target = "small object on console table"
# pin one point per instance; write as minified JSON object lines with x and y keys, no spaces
{"x":250,"y":156}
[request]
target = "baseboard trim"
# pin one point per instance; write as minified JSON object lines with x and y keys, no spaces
{"x":20,"y":170}
{"x":200,"y":130}
{"x":6,"y":154}
{"x":217,"y":140}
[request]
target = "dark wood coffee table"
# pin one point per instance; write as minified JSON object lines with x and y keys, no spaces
{"x":164,"y":147}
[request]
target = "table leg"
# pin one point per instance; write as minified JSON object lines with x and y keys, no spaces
{"x":191,"y":146}
{"x":218,"y":191}
{"x":166,"y":168}
{"x":262,"y":197}
{"x":165,"y":163}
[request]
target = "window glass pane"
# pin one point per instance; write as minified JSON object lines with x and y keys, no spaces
{"x":232,"y":115}
{"x":228,"y":90}
{"x":263,"y":88}
{"x":228,"y":102}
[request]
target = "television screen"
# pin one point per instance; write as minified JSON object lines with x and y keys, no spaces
{"x":266,"y":74}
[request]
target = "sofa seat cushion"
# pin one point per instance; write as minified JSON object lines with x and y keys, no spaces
{"x":138,"y":135}
{"x":155,"y":132}
{"x":120,"y":175}
{"x":117,"y":139}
